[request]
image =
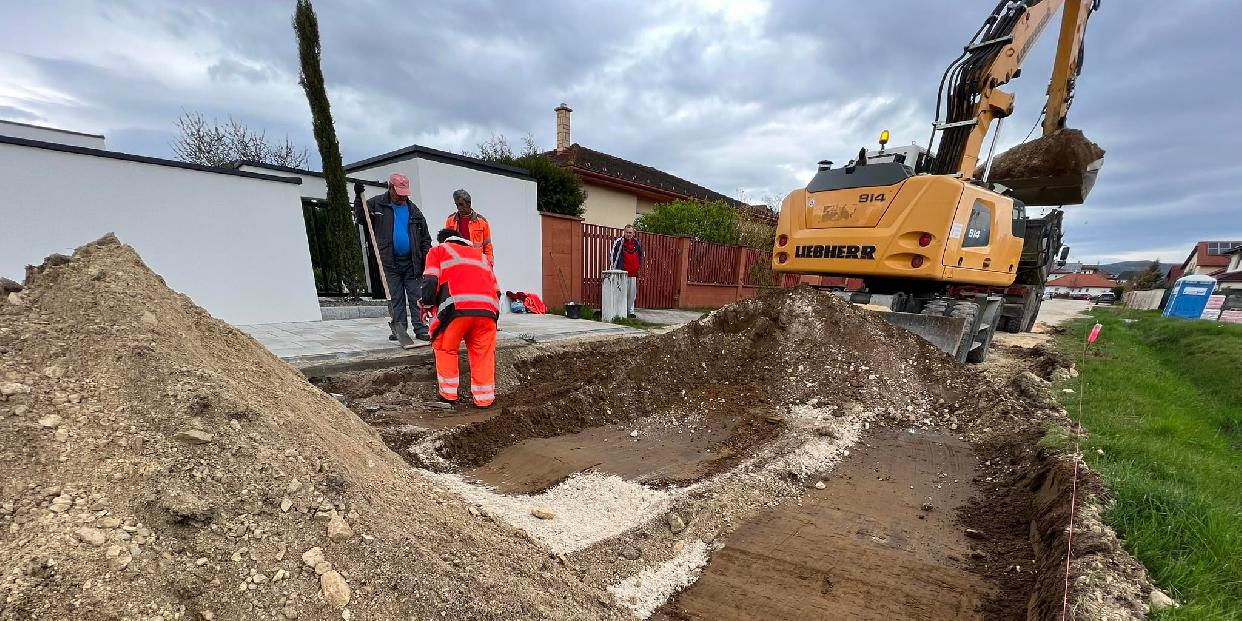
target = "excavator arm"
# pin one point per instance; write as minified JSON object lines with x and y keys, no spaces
{"x":970,"y":93}
{"x":1067,"y":64}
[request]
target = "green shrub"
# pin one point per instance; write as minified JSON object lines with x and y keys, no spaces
{"x":560,"y":191}
{"x":715,"y":222}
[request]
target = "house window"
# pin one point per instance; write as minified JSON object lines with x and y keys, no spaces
{"x":979,"y":227}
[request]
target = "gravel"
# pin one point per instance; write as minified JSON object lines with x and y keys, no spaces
{"x":647,"y":590}
{"x":587,"y":508}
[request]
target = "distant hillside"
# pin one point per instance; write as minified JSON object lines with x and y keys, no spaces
{"x":1122,"y":267}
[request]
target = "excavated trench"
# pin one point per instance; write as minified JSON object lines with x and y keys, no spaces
{"x":521,"y":451}
{"x":913,"y":524}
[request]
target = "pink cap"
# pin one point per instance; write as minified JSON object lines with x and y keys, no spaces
{"x":399,"y":184}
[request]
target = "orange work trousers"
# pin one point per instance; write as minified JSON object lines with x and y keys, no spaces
{"x":479,"y":333}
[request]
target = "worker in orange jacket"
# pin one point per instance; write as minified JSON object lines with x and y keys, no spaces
{"x":470,"y":225}
{"x":460,"y":292}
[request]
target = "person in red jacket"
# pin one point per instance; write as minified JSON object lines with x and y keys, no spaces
{"x":460,"y":291}
{"x":627,"y":255}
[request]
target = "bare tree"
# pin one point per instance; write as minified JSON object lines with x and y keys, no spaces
{"x":213,"y":143}
{"x":497,"y":149}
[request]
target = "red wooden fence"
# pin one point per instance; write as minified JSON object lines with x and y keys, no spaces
{"x":657,"y":283}
{"x":753,"y":277}
{"x":712,"y":264}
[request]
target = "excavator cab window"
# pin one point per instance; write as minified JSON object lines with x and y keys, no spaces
{"x":979,"y":227}
{"x":870,"y":175}
{"x":1019,"y":219}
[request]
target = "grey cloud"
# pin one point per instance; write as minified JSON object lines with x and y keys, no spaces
{"x":732,"y":106}
{"x":230,"y":69}
{"x":11,"y":113}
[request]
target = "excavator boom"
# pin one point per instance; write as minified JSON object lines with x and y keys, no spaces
{"x":972,"y":99}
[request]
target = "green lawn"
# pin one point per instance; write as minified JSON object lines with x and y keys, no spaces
{"x":1164,"y":402}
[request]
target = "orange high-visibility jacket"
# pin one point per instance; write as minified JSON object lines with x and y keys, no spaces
{"x":480,"y":232}
{"x":458,"y":281}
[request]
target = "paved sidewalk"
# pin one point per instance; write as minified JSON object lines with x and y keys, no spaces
{"x":311,"y":343}
{"x":667,"y":317}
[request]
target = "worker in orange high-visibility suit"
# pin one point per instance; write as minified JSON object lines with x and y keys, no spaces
{"x":471,"y":225}
{"x":461,"y":294}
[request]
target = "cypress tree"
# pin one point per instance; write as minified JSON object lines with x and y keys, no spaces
{"x":343,"y":237}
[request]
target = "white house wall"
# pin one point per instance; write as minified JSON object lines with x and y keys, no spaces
{"x":235,"y":245}
{"x":49,"y":134}
{"x":507,"y":202}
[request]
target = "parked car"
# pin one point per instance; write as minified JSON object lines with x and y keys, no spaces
{"x":1105,"y":298}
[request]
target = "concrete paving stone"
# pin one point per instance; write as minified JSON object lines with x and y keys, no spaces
{"x":306,"y":342}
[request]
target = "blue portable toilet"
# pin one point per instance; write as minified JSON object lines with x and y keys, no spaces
{"x":1189,"y":296}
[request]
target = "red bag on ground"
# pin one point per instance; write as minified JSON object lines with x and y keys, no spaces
{"x":535,"y":305}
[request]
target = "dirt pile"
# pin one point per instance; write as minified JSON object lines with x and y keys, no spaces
{"x":746,"y":361}
{"x":1064,"y":152}
{"x":155,"y":463}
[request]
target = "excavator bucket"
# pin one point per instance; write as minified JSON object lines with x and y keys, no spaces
{"x":1057,"y":169}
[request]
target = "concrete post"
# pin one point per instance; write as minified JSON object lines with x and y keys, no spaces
{"x":613,"y":300}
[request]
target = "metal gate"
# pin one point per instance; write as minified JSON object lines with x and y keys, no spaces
{"x":327,"y":281}
{"x":657,"y":282}
{"x":315,"y":215}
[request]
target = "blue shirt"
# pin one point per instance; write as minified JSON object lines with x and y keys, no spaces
{"x":401,"y":229}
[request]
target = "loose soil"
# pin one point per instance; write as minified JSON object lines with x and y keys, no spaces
{"x":1064,"y":152}
{"x":880,"y":541}
{"x":671,"y":455}
{"x":158,"y":463}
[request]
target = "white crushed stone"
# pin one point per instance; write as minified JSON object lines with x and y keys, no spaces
{"x":818,"y":454}
{"x":647,"y":590}
{"x":588,"y":508}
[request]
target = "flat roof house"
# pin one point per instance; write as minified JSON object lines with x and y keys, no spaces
{"x":505,"y":195}
{"x":236,"y":239}
{"x":231,"y":240}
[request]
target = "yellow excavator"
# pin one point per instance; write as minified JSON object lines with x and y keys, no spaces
{"x":940,"y":240}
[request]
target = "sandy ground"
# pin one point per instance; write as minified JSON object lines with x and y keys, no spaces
{"x":1055,"y":312}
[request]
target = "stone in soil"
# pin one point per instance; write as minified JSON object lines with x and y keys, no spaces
{"x":675,"y":523}
{"x":91,"y":536}
{"x":335,"y":589}
{"x":338,"y":528}
{"x":194,"y":436}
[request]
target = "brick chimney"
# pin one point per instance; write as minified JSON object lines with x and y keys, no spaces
{"x":562,"y":127}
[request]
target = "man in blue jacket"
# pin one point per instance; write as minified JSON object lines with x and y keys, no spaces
{"x":402,"y":237}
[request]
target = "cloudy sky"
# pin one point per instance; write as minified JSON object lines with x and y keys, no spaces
{"x":743,"y":96}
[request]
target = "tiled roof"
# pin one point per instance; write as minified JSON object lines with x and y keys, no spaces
{"x":578,"y":156}
{"x":1079,"y":281}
